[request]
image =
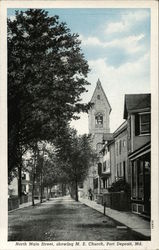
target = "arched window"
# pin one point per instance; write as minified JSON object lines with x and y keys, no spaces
{"x":99,"y":119}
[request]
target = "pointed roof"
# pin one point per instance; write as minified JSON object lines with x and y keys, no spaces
{"x":99,"y":85}
{"x":136,"y":102}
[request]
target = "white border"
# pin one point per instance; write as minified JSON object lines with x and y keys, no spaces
{"x":153,"y":5}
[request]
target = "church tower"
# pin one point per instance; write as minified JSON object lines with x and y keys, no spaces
{"x":98,"y":122}
{"x":98,"y":116}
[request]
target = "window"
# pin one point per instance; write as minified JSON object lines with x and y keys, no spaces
{"x":117,"y":171}
{"x":23,"y":176}
{"x":104,"y":166}
{"x":99,"y":119}
{"x":81,"y":185}
{"x":120,"y":147}
{"x":120,"y":170}
{"x":99,"y":168}
{"x":138,"y":179}
{"x":124,"y":176}
{"x":124,"y":143}
{"x":117,"y":148}
{"x":134,"y":180}
{"x":104,"y":184}
{"x":98,"y":97}
{"x":142,"y":124}
{"x":95,"y":183}
{"x":23,"y":188}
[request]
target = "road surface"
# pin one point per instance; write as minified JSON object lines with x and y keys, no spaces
{"x":63,"y":219}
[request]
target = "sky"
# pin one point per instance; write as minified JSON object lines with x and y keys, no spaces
{"x":116,"y":44}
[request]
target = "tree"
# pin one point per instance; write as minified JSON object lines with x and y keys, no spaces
{"x":49,"y":172}
{"x":53,"y":175}
{"x":44,"y":169}
{"x":46,"y":76}
{"x":75,"y":155}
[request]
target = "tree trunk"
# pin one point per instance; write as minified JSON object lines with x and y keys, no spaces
{"x":20,"y":182}
{"x":50,"y":192}
{"x":76,"y":190}
{"x":33,"y":173}
{"x":41,"y":188}
{"x":63,"y":189}
{"x":33,"y":188}
{"x":47,"y":188}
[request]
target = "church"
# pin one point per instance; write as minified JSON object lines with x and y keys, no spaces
{"x":99,"y":129}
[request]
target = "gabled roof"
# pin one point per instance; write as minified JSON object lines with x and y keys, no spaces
{"x":136,"y":103}
{"x":99,"y":85}
{"x":120,"y":129}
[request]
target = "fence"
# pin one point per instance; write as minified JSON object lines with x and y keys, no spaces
{"x":115,"y":200}
{"x":13,"y":203}
{"x":24,"y":199}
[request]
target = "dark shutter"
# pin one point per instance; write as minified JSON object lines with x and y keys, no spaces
{"x":137,"y":125}
{"x":99,"y":169}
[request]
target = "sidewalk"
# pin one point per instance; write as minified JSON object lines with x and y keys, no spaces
{"x":135,"y":222}
{"x":23,"y":205}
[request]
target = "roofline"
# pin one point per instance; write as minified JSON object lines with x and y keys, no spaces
{"x":125,"y":113}
{"x":111,"y":142}
{"x":138,"y":94}
{"x":119,"y":129}
{"x":139,"y":110}
{"x":104,"y":95}
{"x":134,"y":111}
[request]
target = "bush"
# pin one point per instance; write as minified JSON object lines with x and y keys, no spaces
{"x":120,"y":185}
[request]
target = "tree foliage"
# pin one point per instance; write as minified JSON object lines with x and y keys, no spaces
{"x":46,"y":76}
{"x":75,"y":156}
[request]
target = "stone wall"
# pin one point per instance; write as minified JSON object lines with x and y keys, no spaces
{"x":13,"y":203}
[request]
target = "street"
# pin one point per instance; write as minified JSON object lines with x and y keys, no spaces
{"x":63,"y":219}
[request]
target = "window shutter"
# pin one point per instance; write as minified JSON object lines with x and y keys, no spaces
{"x":137,"y":125}
{"x":99,"y":169}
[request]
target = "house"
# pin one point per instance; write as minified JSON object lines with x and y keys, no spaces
{"x":106,"y":163}
{"x":121,"y":170}
{"x":26,"y":182}
{"x":114,"y":158}
{"x":137,"y":112}
{"x":115,"y":170}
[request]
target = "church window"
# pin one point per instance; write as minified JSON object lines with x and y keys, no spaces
{"x":99,"y":119}
{"x":98,"y":97}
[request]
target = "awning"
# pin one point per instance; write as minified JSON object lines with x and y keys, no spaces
{"x":105,"y":175}
{"x":140,"y":152}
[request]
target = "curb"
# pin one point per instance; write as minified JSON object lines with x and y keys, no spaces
{"x":30,"y":205}
{"x":132,"y":229}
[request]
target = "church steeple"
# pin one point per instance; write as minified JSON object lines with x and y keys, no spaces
{"x":99,"y":92}
{"x":98,"y":83}
{"x":99,"y":113}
